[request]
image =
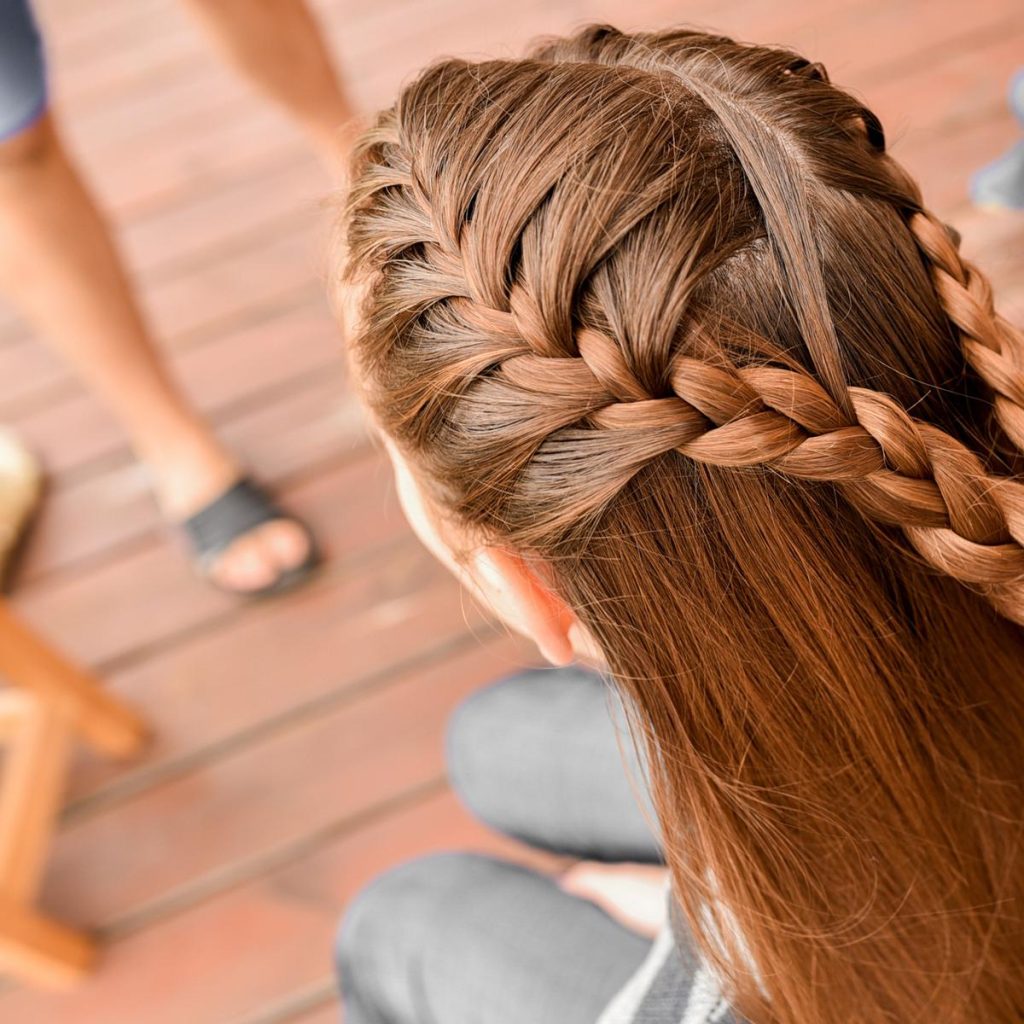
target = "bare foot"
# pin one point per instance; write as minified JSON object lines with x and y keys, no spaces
{"x":635,"y":895}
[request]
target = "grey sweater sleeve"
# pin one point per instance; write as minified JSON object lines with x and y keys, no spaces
{"x":671,"y":986}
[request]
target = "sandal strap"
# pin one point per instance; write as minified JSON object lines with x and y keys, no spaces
{"x":240,"y":509}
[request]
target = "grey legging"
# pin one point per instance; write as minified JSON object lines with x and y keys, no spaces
{"x":468,"y":939}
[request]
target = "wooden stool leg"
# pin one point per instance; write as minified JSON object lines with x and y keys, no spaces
{"x":53,"y":700}
{"x":31,"y":788}
{"x":29,"y":662}
{"x":41,"y":950}
{"x":37,"y":738}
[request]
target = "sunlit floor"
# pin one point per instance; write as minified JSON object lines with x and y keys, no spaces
{"x":299,"y":747}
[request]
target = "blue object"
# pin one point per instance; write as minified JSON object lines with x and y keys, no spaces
{"x":1001,"y":183}
{"x":23,"y":96}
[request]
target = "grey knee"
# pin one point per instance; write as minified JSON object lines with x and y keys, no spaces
{"x":503,"y":735}
{"x":389,"y":927}
{"x":476,"y":745}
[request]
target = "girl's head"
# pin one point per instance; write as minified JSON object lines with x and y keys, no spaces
{"x":675,"y":365}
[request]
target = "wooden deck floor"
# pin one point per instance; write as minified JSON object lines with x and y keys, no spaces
{"x":299,"y":740}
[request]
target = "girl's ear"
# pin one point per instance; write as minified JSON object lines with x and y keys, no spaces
{"x":522,"y":600}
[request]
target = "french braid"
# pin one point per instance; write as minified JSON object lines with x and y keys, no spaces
{"x":662,"y":312}
{"x":898,"y":470}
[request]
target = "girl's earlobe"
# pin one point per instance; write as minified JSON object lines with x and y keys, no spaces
{"x":521,"y":600}
{"x":585,"y":646}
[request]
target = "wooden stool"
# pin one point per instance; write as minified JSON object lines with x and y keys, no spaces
{"x":51,"y":704}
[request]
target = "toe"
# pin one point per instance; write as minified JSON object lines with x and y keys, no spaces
{"x":285,"y":543}
{"x":245,"y":566}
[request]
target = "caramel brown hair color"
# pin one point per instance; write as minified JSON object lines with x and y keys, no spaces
{"x":660,"y":312}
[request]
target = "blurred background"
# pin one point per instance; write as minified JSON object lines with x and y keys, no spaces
{"x":298,"y":748}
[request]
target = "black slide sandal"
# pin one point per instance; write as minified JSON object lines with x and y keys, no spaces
{"x":239,"y":510}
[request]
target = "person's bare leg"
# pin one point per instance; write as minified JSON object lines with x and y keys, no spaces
{"x":278,"y":45}
{"x":59,"y":264}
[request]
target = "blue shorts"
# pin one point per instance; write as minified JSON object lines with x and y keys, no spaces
{"x":22,"y":69}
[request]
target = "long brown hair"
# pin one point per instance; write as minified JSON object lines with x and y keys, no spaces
{"x":660,"y":312}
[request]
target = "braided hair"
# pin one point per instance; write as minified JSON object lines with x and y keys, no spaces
{"x":660,"y":311}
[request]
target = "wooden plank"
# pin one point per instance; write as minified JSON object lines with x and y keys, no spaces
{"x":944,"y":165}
{"x":329,"y":1013}
{"x":994,"y":239}
{"x":862,"y":43}
{"x":232,"y":211}
{"x":191,"y":309}
{"x":127,"y":53}
{"x":193,"y":835}
{"x":244,"y":139}
{"x":263,"y":276}
{"x":129,"y":44}
{"x":238,"y":367}
{"x":151,"y":594}
{"x":1011,"y":304}
{"x":283,"y":439}
{"x":28,"y":369}
{"x":250,"y":947}
{"x":203,"y":99}
{"x":213,"y":293}
{"x":352,"y":631}
{"x":77,"y":30}
{"x":938,"y":95}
